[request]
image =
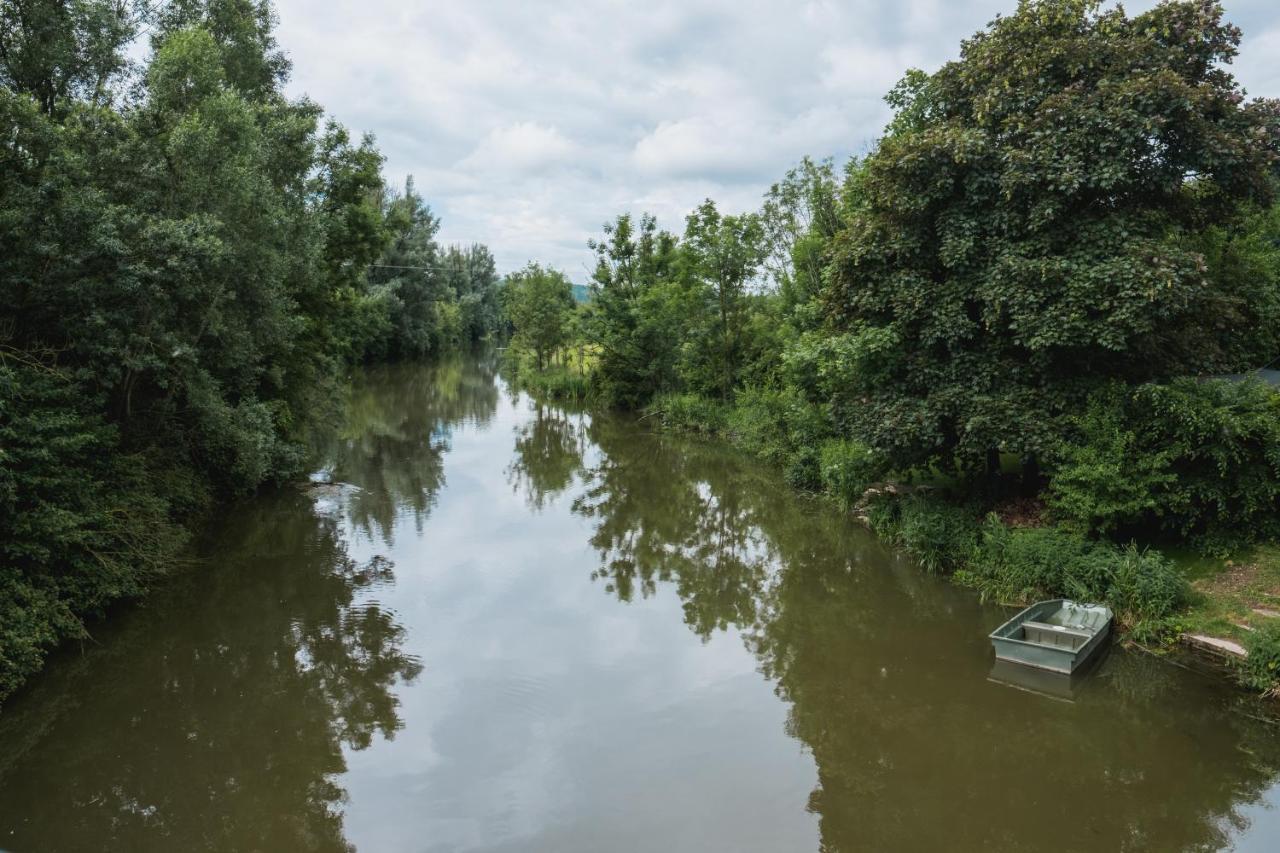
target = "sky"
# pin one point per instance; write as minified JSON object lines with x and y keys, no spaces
{"x":527,"y":124}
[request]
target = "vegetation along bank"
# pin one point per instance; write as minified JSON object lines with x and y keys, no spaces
{"x":190,"y":261}
{"x":1025,"y":337}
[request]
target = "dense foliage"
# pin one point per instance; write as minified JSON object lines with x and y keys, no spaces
{"x":1198,"y":458}
{"x":188,"y":262}
{"x":1033,"y":221}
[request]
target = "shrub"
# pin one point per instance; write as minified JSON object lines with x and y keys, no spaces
{"x":689,"y":413}
{"x":1144,"y":585}
{"x":940,"y":536}
{"x":882,"y":516}
{"x":1104,"y":479}
{"x":1223,"y":442}
{"x":777,"y":426}
{"x":1199,"y":458}
{"x":556,"y":383}
{"x":81,"y":524}
{"x":846,"y":469}
{"x":759,"y":424}
{"x":781,"y":427}
{"x":1261,"y":669}
{"x":1022,"y":564}
{"x":1017,"y":565}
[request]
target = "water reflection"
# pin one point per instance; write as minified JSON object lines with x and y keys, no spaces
{"x":548,"y":452}
{"x":268,"y":665}
{"x":274,"y":656}
{"x":885,"y":671}
{"x":666,"y":511}
{"x":398,"y":424}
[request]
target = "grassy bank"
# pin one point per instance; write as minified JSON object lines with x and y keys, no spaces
{"x":566,"y":378}
{"x":1003,"y":547}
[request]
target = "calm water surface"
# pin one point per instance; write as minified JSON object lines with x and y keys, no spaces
{"x":508,"y":627}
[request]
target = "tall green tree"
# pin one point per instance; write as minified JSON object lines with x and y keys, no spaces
{"x":723,"y":254}
{"x":801,"y":215}
{"x":185,"y":269}
{"x":1029,"y":226}
{"x":472,"y":276}
{"x":638,"y":311}
{"x":244,"y":31}
{"x":539,"y":302}
{"x":413,"y":284}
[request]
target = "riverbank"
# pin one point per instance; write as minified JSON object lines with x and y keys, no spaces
{"x":1005,"y":550}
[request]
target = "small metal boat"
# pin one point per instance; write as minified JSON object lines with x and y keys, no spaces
{"x":1057,"y":635}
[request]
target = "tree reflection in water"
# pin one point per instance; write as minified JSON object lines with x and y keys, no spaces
{"x":261,"y":667}
{"x":397,"y":426}
{"x":270,"y":662}
{"x":548,"y":452}
{"x":885,"y":670}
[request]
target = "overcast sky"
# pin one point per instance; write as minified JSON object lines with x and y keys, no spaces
{"x":528,"y":124}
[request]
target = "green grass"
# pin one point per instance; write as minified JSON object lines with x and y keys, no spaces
{"x":1226,"y":594}
{"x":556,"y":383}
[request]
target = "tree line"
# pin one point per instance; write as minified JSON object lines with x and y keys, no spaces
{"x":1023,"y":301}
{"x":190,"y":261}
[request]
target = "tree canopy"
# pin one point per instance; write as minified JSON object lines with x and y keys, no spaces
{"x":187,"y":266}
{"x":1030,"y":224}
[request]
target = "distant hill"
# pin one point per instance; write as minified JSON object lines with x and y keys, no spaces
{"x":581,"y":293}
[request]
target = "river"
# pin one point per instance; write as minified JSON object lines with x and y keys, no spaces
{"x":495,"y":625}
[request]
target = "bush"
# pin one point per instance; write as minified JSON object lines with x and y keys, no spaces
{"x":557,"y":383}
{"x":782,"y":428}
{"x":81,"y":523}
{"x":847,"y":468}
{"x":1018,"y":565}
{"x":778,"y":427}
{"x":759,"y":424}
{"x":940,"y":536}
{"x":1198,"y":458}
{"x":689,"y":413}
{"x":1261,"y":669}
{"x":1144,"y":586}
{"x":240,"y":446}
{"x":1104,"y":479}
{"x":1223,"y":442}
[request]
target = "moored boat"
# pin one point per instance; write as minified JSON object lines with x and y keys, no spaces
{"x":1058,"y":635}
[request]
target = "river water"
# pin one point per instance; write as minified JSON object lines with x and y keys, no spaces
{"x":502,"y":626}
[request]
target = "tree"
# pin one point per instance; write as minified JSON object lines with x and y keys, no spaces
{"x":800,"y":217}
{"x":185,"y":272}
{"x":58,"y":50}
{"x":414,"y":287}
{"x":539,"y":301}
{"x":638,"y":311}
{"x":1029,"y":226}
{"x":244,"y":32}
{"x":723,"y":254}
{"x":472,"y":276}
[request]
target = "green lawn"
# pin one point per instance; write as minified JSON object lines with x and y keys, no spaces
{"x":1230,"y":593}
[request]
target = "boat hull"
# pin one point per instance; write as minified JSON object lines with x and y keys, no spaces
{"x":1027,"y":641}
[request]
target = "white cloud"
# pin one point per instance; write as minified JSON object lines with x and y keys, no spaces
{"x":525,"y":147}
{"x":528,"y":124}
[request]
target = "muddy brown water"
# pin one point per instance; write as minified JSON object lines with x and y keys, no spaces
{"x":506,"y":626}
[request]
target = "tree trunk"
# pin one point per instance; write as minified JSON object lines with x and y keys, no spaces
{"x":1030,"y":474}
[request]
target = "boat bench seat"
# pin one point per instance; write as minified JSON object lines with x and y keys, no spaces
{"x":1053,"y":635}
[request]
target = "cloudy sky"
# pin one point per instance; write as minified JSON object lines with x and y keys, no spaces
{"x":527,"y":124}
